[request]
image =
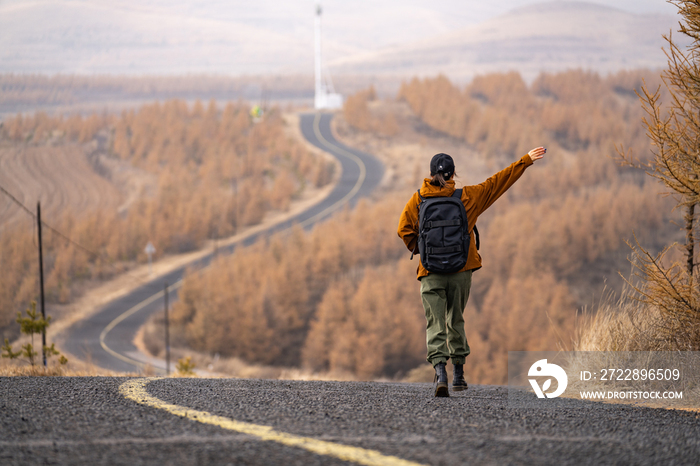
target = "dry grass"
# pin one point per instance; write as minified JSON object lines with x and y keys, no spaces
{"x":626,"y":333}
{"x":72,"y":369}
{"x":629,"y":325}
{"x":51,"y":371}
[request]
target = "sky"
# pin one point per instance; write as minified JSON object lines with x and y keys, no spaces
{"x":480,"y":11}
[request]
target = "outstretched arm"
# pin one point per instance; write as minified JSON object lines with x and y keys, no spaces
{"x":486,"y":193}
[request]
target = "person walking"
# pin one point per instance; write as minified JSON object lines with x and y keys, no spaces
{"x":445,"y":294}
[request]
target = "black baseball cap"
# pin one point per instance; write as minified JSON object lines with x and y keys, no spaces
{"x":442,"y":163}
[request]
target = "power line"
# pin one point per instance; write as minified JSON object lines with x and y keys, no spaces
{"x":17,"y":201}
{"x":53,"y":230}
{"x":107,"y":260}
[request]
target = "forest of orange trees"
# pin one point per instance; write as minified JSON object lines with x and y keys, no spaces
{"x":214,"y":170}
{"x":345,"y":299}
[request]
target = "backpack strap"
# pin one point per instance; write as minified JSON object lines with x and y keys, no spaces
{"x":413,"y":253}
{"x":458,"y":194}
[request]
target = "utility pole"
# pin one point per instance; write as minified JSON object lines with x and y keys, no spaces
{"x":41,"y":282}
{"x":167,"y":333}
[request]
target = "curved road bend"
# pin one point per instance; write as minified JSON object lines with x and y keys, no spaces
{"x":106,"y":337}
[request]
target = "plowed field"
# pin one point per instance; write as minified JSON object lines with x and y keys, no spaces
{"x":60,"y":177}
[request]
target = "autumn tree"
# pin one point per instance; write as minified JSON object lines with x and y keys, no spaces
{"x":674,"y":131}
{"x":358,"y":114}
{"x":356,"y":111}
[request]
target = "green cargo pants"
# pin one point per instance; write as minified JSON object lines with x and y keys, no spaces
{"x":444,"y":299}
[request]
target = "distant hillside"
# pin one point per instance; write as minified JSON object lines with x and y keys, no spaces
{"x":175,"y":37}
{"x":392,"y":37}
{"x":544,"y":37}
{"x":88,"y":38}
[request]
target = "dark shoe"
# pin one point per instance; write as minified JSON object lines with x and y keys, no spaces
{"x":441,"y":388}
{"x":458,"y":382}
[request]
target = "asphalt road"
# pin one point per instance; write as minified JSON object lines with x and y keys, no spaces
{"x":65,"y":420}
{"x":106,"y":337}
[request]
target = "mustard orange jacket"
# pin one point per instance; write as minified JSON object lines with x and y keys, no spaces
{"x":476,"y":200}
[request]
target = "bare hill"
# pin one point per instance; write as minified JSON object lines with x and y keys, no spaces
{"x":85,"y":37}
{"x":398,"y":37}
{"x":544,"y":37}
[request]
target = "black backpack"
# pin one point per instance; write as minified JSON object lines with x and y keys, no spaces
{"x":443,"y":233}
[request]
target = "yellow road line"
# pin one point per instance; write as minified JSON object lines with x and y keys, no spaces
{"x":136,"y":390}
{"x":335,"y":206}
{"x":126,"y":314}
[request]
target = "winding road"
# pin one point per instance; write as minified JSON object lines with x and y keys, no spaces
{"x":106,"y":337}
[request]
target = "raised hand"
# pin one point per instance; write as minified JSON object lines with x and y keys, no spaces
{"x":537,"y":153}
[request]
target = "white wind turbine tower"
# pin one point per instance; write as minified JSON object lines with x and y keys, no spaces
{"x":325,"y":96}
